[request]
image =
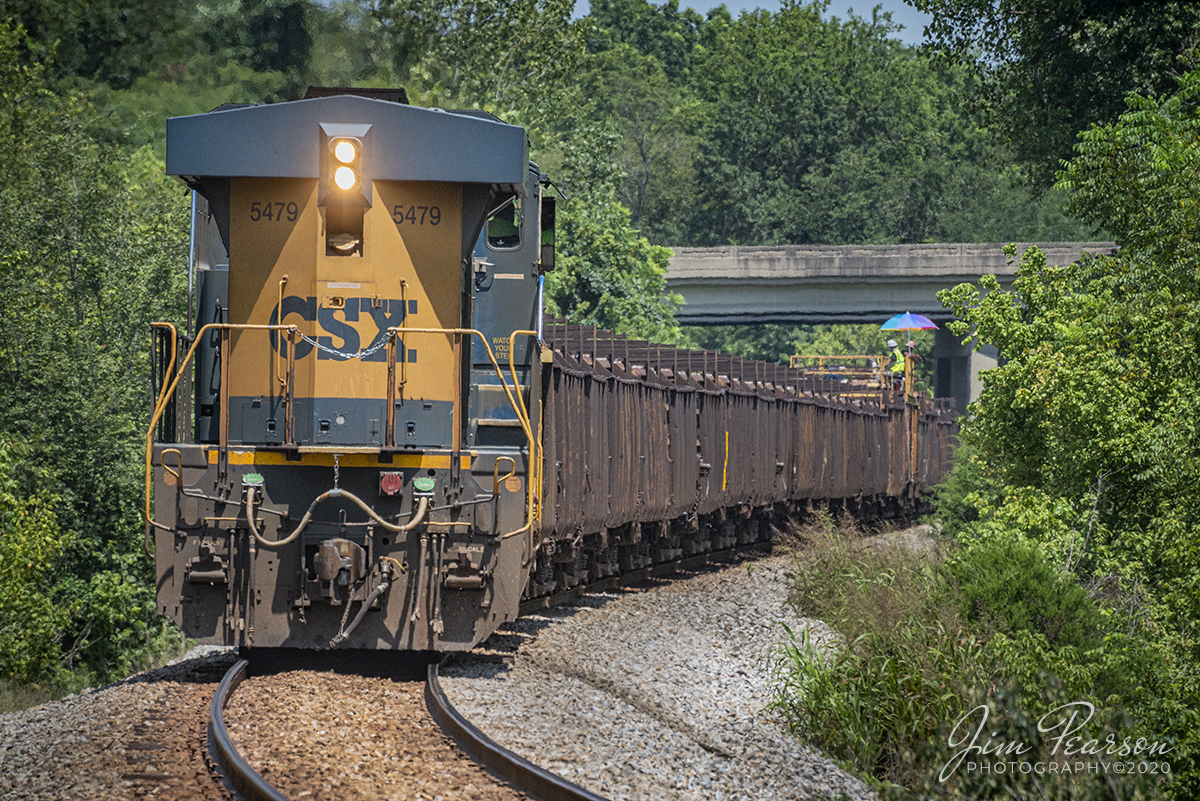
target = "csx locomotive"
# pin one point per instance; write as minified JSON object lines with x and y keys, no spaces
{"x":368,"y":438}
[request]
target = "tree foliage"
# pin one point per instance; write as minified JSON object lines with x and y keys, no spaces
{"x":513,"y":58}
{"x":1090,"y":423}
{"x":114,"y":41}
{"x":608,"y":275}
{"x":32,"y":619}
{"x":1051,"y":68}
{"x":664,"y":33}
{"x":92,"y":247}
{"x":820,"y":131}
{"x":654,"y":122}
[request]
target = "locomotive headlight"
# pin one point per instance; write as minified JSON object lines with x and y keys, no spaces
{"x":345,"y":174}
{"x":345,"y":162}
{"x":344,"y":177}
{"x":344,"y":151}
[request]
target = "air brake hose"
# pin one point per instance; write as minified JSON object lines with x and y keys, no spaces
{"x":342,"y":636}
{"x":335,"y":493}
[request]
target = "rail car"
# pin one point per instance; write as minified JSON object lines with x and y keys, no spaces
{"x":368,"y":436}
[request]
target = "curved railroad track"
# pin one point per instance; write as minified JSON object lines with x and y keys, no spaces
{"x":516,"y":771}
{"x":521,"y":776}
{"x":248,"y":782}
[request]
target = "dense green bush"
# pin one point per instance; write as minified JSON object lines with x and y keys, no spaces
{"x":33,"y":616}
{"x":1088,"y":430}
{"x":915,"y":662}
{"x":92,"y":248}
{"x":1010,"y":586}
{"x":969,"y":487}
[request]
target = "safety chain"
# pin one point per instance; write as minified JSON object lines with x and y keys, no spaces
{"x":346,"y":611}
{"x":336,"y":470}
{"x":362,"y":354}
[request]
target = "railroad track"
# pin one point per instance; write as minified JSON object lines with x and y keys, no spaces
{"x":248,"y":782}
{"x":522,"y":776}
{"x":517,"y":772}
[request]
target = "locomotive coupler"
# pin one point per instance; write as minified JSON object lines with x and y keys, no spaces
{"x":339,"y":563}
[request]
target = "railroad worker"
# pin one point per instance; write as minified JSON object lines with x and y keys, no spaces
{"x":896,"y":362}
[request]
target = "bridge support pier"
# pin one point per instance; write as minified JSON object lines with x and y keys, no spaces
{"x":957,"y":368}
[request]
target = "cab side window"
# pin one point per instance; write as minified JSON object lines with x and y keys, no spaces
{"x":504,"y":227}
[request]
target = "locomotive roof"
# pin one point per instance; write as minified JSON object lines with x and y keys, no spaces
{"x":408,"y":143}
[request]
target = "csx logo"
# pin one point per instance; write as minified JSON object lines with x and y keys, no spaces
{"x":384,"y":313}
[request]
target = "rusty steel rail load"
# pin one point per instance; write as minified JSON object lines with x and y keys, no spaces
{"x":653,"y":452}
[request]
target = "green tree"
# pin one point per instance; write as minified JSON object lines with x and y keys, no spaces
{"x":1051,"y":68}
{"x":92,"y":248}
{"x":654,"y":120}
{"x":820,"y":131}
{"x":1091,"y":422}
{"x":664,"y":33}
{"x":266,"y":36}
{"x":33,"y":617}
{"x":113,"y":41}
{"x":513,"y":58}
{"x":607,"y":275}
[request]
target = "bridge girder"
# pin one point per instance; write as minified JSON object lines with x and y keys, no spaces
{"x":812,"y":284}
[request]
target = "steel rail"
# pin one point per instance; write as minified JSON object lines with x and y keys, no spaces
{"x":520,"y":773}
{"x":517,"y":771}
{"x":246,"y":780}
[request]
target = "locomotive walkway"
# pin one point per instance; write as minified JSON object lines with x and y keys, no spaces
{"x":814,"y":284}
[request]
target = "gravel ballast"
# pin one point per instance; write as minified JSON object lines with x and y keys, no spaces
{"x":658,"y":693}
{"x":141,"y":738}
{"x":319,"y":736}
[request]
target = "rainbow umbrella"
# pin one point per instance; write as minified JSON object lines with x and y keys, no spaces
{"x":908,"y":322}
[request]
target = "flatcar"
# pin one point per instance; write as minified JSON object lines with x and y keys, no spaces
{"x":368,"y":436}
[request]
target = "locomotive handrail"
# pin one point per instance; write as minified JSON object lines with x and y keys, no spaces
{"x":161,"y":399}
{"x":532,"y":510}
{"x":536,"y":461}
{"x":167,"y":390}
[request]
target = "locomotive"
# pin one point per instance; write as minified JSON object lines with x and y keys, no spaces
{"x":369,"y":437}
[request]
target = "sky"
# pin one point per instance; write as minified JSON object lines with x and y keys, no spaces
{"x":913,"y":21}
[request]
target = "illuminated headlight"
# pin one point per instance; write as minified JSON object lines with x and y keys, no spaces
{"x":345,"y":152}
{"x":344,"y":177}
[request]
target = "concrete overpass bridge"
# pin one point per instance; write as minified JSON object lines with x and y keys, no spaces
{"x":816,"y":284}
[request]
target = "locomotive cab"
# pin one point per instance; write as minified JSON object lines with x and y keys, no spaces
{"x":345,"y":439}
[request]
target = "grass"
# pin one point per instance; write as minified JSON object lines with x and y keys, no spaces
{"x":15,"y":697}
{"x":913,"y":658}
{"x":878,"y":701}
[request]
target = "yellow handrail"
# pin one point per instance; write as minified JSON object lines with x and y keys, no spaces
{"x":534,"y":478}
{"x":282,"y":283}
{"x":167,"y":391}
{"x":518,"y":408}
{"x":535,"y":469}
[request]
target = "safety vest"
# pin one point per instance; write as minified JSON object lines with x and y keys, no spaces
{"x":897,"y":361}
